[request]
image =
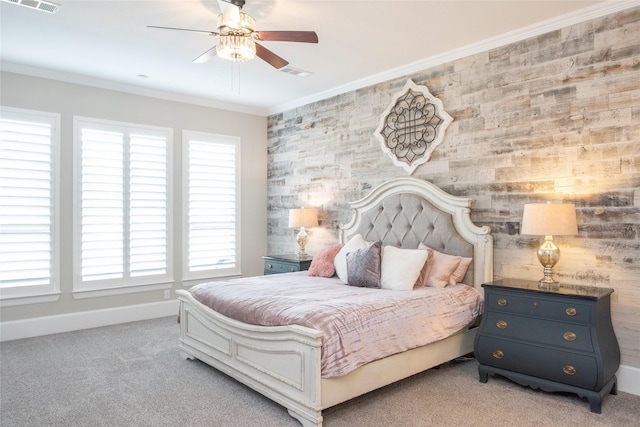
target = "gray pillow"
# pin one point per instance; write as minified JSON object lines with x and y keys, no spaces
{"x":363,"y":266}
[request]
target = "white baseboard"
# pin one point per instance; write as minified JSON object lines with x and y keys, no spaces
{"x":629,"y":379}
{"x":26,"y":328}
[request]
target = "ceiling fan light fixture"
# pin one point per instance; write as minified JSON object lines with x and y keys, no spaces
{"x":236,"y":48}
{"x":236,"y":23}
{"x":236,"y":43}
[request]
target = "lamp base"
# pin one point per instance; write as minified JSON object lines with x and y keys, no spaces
{"x":301,"y":238}
{"x":548,"y":255}
{"x":548,"y":283}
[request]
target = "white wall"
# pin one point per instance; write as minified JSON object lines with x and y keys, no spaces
{"x":68,"y":99}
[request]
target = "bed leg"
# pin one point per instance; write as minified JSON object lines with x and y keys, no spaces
{"x":186,"y":356}
{"x":305,"y":421}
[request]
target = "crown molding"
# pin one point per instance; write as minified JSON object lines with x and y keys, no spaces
{"x":586,"y":14}
{"x":83,"y":80}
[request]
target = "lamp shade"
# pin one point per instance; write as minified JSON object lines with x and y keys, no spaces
{"x":549,"y":219}
{"x":303,"y":217}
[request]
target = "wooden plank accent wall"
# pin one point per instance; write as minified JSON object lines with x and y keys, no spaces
{"x":555,"y":117}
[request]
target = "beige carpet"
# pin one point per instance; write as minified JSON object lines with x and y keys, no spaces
{"x":133,"y":375}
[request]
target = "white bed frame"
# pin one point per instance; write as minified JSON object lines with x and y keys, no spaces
{"x":283,"y":363}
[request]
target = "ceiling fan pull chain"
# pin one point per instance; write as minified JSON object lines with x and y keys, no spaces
{"x":232,"y":77}
{"x":235,"y":77}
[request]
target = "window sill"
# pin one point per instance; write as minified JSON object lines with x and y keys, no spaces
{"x":192,"y":282}
{"x":31,"y":299}
{"x":96,"y":293}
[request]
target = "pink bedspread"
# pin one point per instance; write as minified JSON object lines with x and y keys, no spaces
{"x":359,"y":325}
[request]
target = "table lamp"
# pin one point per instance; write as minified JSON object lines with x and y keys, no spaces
{"x":302,"y":218}
{"x":549,"y":219}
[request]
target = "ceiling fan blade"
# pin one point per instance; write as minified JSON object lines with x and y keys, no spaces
{"x":271,"y":58}
{"x":288,"y":36}
{"x":211,"y":33}
{"x":205,"y":56}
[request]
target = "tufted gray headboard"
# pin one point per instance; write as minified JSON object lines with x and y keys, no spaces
{"x":406,"y":211}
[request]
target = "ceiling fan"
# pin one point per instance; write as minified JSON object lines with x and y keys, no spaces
{"x":238,"y":38}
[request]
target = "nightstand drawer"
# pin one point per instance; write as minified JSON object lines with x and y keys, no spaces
{"x":275,"y":267}
{"x":275,"y":264}
{"x":541,"y":362}
{"x":568,"y":310}
{"x":558,"y":334}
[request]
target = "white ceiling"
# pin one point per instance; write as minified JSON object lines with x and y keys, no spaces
{"x":107,"y":44}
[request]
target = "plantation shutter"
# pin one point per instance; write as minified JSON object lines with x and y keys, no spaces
{"x":124,"y":198}
{"x":212,"y":203}
{"x":102,"y":205}
{"x":148,"y":205}
{"x":28,"y":255}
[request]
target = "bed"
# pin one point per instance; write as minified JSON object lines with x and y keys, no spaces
{"x":284,"y":362}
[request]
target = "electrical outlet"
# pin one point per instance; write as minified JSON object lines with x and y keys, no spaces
{"x":167,"y":294}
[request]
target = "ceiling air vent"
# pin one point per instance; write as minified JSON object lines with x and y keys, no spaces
{"x":44,"y":6}
{"x":295,"y":71}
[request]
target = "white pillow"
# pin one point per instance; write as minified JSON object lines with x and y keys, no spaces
{"x":340,"y":261}
{"x":401,"y":267}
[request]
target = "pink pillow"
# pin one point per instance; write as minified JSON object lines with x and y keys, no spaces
{"x":424,"y":271}
{"x":438,"y":268}
{"x":459,"y":273}
{"x":322,"y":262}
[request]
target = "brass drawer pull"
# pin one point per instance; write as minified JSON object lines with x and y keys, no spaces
{"x":571,"y":311}
{"x":569,"y":336}
{"x":269,"y":266}
{"x":292,"y":269}
{"x":501,"y":324}
{"x":569,"y":370}
{"x":498,"y":354}
{"x":502,"y":302}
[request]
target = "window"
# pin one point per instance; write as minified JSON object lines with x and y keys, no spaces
{"x":211,"y":239}
{"x":122,"y":200}
{"x":29,"y":202}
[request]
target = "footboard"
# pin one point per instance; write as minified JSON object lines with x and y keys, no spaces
{"x":282,"y":363}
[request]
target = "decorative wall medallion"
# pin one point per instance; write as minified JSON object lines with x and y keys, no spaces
{"x":412,"y":126}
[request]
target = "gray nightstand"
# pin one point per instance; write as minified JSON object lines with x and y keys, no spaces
{"x":554,"y":340}
{"x":274,"y":264}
